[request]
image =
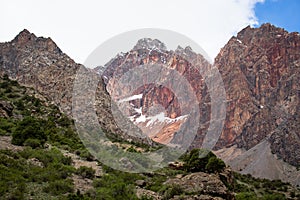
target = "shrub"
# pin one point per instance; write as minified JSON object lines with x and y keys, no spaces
{"x":246,"y":196}
{"x":6,"y":126}
{"x":59,"y":187}
{"x":273,"y":197}
{"x":215,"y":165}
{"x":197,"y":159}
{"x":86,"y":172}
{"x":33,"y":143}
{"x":171,"y":191}
{"x":28,"y":128}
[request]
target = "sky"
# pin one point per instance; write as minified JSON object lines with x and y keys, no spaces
{"x":79,"y":27}
{"x":281,"y":13}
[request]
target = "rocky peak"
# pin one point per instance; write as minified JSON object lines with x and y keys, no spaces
{"x":267,"y":34}
{"x":187,"y":50}
{"x":24,"y":37}
{"x":151,"y":44}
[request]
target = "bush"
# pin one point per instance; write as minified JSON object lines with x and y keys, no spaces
{"x":273,"y":197}
{"x":246,"y":196}
{"x":86,"y":172}
{"x":59,"y":187}
{"x":197,"y":159}
{"x":6,"y":126}
{"x":33,"y":143}
{"x":29,"y":128}
{"x":215,"y":165}
{"x":171,"y":191}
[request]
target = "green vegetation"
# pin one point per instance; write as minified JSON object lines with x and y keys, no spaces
{"x":47,"y":169}
{"x":115,"y":185}
{"x":41,"y":171}
{"x":34,"y":119}
{"x":29,"y":129}
{"x":86,"y":172}
{"x":248,"y":187}
{"x":201,"y":160}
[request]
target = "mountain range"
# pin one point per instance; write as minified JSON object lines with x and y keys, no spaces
{"x":260,"y":74}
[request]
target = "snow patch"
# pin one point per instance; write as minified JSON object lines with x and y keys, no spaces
{"x":138,"y":110}
{"x":134,"y":97}
{"x":141,"y":118}
{"x":239,"y":41}
{"x":161,"y":118}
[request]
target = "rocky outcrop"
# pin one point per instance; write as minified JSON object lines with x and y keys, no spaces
{"x":260,"y":71}
{"x":202,"y":184}
{"x":5,"y":109}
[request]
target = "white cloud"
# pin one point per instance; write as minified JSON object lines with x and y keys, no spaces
{"x":78,"y":27}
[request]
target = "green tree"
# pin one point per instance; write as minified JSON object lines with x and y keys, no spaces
{"x":196,"y":160}
{"x":29,"y":128}
{"x":215,"y":165}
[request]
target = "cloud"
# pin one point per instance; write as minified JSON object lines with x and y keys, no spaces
{"x":78,"y":27}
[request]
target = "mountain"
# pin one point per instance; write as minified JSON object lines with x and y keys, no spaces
{"x":259,"y":69}
{"x":156,"y":99}
{"x":260,"y":72}
{"x":39,"y":63}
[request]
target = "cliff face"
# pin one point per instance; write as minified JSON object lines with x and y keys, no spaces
{"x":260,"y":69}
{"x":159,"y":103}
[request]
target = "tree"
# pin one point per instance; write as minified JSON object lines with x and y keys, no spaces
{"x":29,"y":128}
{"x":215,"y":164}
{"x":196,"y":160}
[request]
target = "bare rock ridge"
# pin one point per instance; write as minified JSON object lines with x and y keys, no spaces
{"x":148,"y":43}
{"x":260,"y":71}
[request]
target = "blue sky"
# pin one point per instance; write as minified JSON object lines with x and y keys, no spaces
{"x":281,"y":13}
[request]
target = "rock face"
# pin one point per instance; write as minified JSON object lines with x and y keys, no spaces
{"x":261,"y":73}
{"x":195,"y":186}
{"x":5,"y":109}
{"x":202,"y":184}
{"x":160,"y":103}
